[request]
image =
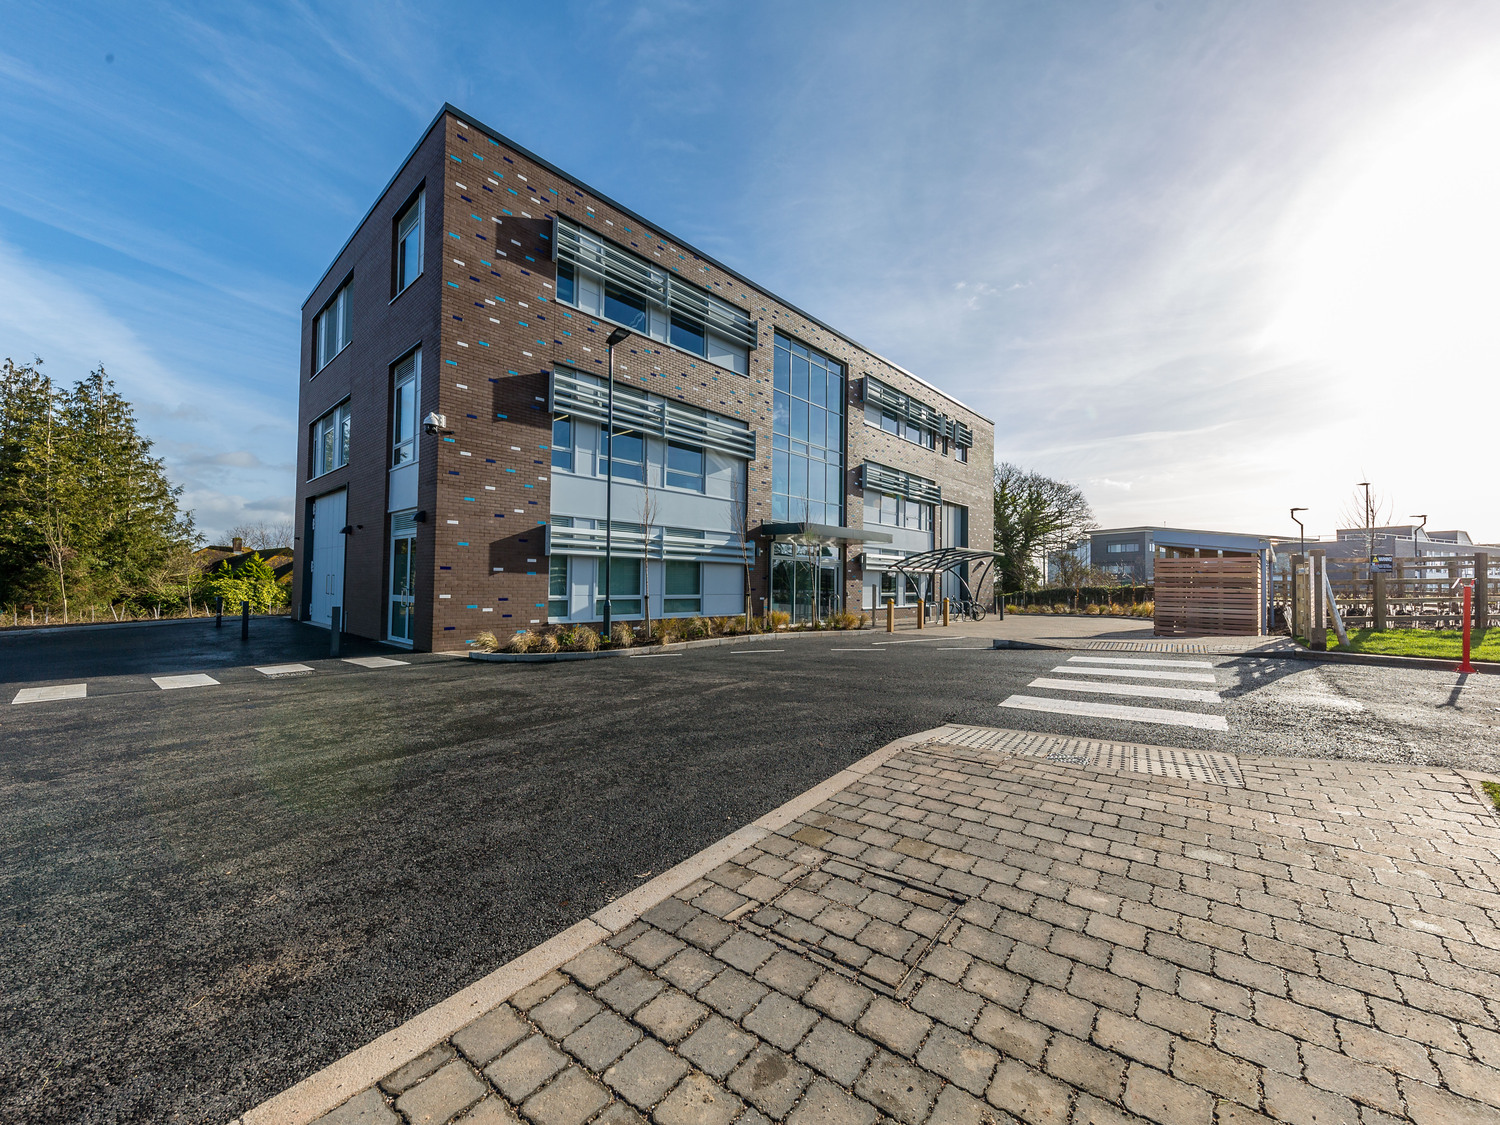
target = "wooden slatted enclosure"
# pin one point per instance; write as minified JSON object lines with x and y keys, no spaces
{"x":1218,"y":597}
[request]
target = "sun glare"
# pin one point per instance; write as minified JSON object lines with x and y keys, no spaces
{"x":1395,"y":280}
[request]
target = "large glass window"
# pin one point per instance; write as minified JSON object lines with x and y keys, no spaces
{"x":807,"y":457}
{"x":684,"y":588}
{"x":405,"y":405}
{"x":562,"y":442}
{"x":629,"y":458}
{"x":331,"y":329}
{"x":331,"y":441}
{"x":684,"y":466}
{"x":409,"y":243}
{"x":608,"y":281}
{"x":624,"y":588}
{"x":557,"y":586}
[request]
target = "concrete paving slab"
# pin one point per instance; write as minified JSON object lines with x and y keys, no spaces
{"x":194,"y":679}
{"x":48,"y":694}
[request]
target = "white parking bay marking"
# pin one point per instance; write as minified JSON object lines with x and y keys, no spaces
{"x":195,"y":679}
{"x":283,"y":669}
{"x":753,"y":651}
{"x":1118,"y":711}
{"x":1138,"y":673}
{"x":1143,"y":691}
{"x":856,"y":650}
{"x":1141,"y":660}
{"x":47,"y":694}
{"x":376,"y":661}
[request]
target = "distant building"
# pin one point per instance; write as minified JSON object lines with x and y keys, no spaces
{"x":281,"y":560}
{"x":1129,"y":553}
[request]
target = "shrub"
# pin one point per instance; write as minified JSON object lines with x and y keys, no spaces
{"x":1092,"y":610}
{"x":523,"y":641}
{"x":780,"y":620}
{"x":580,"y":638}
{"x":695,"y":628}
{"x":547,"y":642}
{"x":621,"y":635}
{"x":486,"y":642}
{"x":844,"y":619}
{"x":664,"y":631}
{"x":718,"y":626}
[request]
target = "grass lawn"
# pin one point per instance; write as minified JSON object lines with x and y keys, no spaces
{"x":1441,"y":643}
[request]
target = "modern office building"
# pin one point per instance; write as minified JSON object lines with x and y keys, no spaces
{"x":1130,"y":553}
{"x":455,"y":463}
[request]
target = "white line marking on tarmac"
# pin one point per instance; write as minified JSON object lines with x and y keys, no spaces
{"x":856,"y":650}
{"x":1142,"y":660}
{"x":1118,"y":711}
{"x":754,"y":651}
{"x":195,"y":679}
{"x":1144,"y":691}
{"x":283,"y":669}
{"x":47,"y":694}
{"x":1139,"y":673}
{"x":652,"y":655}
{"x":377,"y":662}
{"x":908,"y":641}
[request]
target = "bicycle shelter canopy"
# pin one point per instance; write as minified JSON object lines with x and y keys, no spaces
{"x":952,"y":559}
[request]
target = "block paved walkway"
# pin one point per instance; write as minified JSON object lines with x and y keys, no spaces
{"x":994,"y":926}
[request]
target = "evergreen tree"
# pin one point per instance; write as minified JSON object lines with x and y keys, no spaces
{"x":86,"y":513}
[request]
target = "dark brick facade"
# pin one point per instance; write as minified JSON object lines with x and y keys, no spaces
{"x":485,"y":315}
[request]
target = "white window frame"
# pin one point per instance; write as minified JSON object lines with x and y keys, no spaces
{"x":335,"y":317}
{"x":559,"y":609}
{"x":681,"y":608}
{"x":413,"y":379}
{"x":414,"y":219}
{"x":335,"y":423}
{"x":571,"y":449}
{"x":668,"y":472}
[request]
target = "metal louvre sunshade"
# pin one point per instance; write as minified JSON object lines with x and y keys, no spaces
{"x":903,"y":405}
{"x":894,"y":482}
{"x":635,"y":410}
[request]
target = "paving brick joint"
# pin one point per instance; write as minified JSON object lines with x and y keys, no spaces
{"x":980,"y":934}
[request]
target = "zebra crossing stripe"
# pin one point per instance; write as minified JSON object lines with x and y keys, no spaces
{"x":47,"y":694}
{"x":1144,"y":691}
{"x":1138,"y":673}
{"x":1141,"y":660}
{"x":1118,"y":711}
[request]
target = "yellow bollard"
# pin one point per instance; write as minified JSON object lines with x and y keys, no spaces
{"x":945,"y":611}
{"x":921,"y":613}
{"x":890,"y":615}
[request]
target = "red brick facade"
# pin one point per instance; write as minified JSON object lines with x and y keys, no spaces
{"x":485,"y":315}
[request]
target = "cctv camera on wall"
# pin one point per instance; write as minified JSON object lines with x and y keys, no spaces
{"x":436,"y":423}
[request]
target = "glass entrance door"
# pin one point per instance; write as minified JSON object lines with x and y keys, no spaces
{"x":403,"y":584}
{"x":804,"y":582}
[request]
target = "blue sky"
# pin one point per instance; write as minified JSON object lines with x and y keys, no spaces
{"x":1207,"y":260}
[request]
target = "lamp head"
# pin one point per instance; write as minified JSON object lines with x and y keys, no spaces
{"x":619,"y":335}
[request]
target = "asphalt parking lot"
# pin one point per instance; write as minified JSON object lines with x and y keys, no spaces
{"x":212,"y":892}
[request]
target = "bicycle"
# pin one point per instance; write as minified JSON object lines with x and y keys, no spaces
{"x":970,"y":609}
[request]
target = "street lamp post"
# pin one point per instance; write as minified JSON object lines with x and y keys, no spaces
{"x":1301,"y":531}
{"x":615,"y":337}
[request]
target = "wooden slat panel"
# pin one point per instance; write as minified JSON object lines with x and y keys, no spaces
{"x":1216,"y":596}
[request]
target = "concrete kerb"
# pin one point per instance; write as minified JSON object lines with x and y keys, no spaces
{"x":362,"y":1068}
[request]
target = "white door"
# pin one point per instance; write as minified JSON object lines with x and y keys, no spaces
{"x":329,"y":521}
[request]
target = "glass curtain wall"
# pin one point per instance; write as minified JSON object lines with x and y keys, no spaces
{"x":807,"y":437}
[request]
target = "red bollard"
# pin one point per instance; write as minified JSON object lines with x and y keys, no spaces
{"x":1466,"y":666}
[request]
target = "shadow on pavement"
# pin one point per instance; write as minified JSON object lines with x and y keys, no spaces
{"x":165,"y":648}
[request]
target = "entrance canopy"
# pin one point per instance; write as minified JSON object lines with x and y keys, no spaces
{"x":953,"y":559}
{"x":822,"y":534}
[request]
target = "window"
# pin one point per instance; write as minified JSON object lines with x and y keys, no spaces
{"x":684,"y":466}
{"x":562,"y":442}
{"x":624,"y":587}
{"x":331,"y":329}
{"x":913,"y":590}
{"x":611,"y":282}
{"x":405,"y":406}
{"x":684,"y":588}
{"x":887,"y":585}
{"x":557,"y":586}
{"x":898,"y":413}
{"x":331,"y":441}
{"x":898,"y":511}
{"x":409,"y":242}
{"x":629,"y":454}
{"x":807,"y":442}
{"x":962,"y":453}
{"x":1122,"y":548}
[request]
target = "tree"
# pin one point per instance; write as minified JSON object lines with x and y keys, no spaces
{"x":263,"y":535}
{"x":1033,"y":513}
{"x":86,"y":513}
{"x":253,"y":581}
